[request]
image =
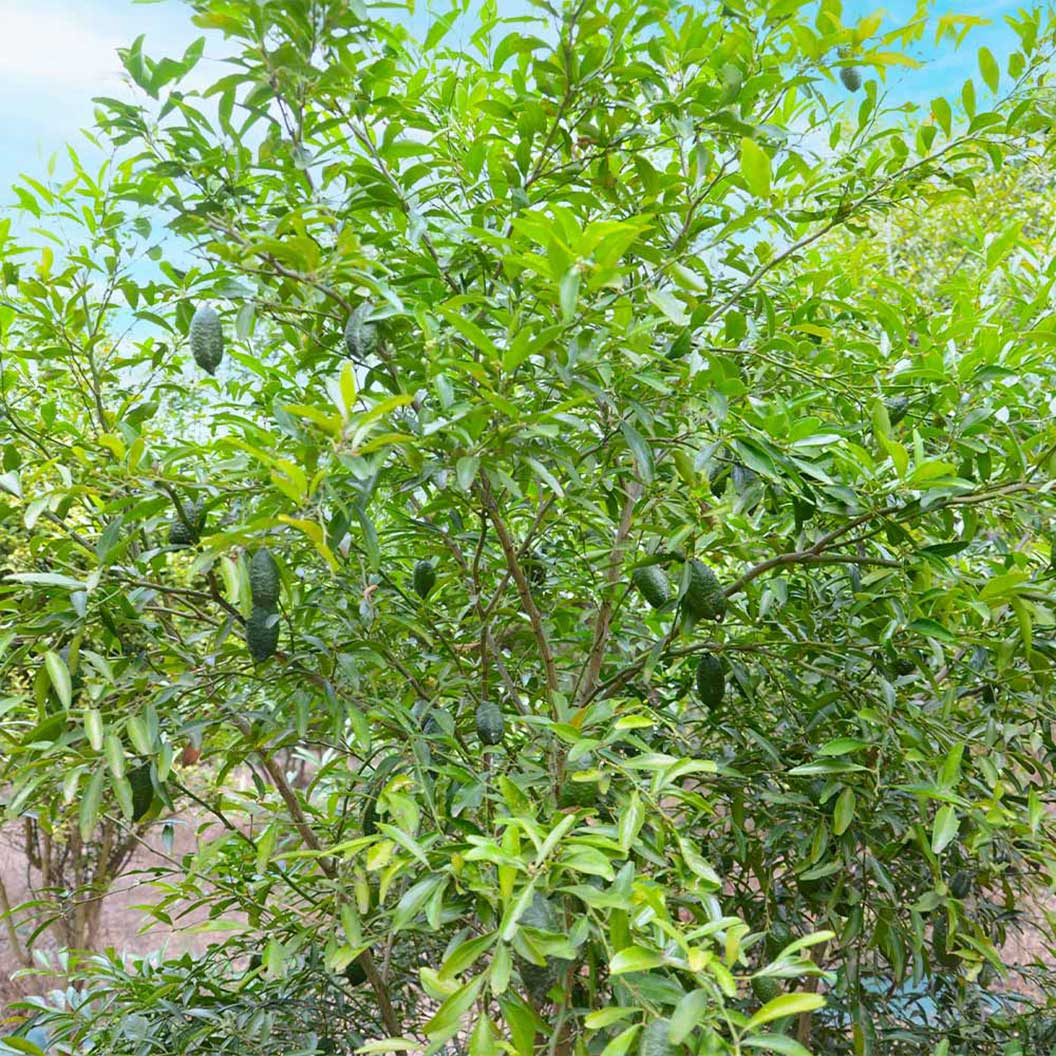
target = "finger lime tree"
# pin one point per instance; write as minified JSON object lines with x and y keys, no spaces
{"x":531,"y":429}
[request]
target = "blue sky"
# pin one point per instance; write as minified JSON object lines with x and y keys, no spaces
{"x":55,"y":55}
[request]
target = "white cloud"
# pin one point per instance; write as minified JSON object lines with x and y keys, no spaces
{"x":43,"y":46}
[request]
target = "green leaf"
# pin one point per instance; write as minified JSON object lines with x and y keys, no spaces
{"x":622,"y":1042}
{"x":775,"y":1043}
{"x":932,"y":629}
{"x":643,"y":455}
{"x":634,"y":959}
{"x":466,"y":471}
{"x":448,"y":1017}
{"x":605,"y":1017}
{"x":470,"y":331}
{"x":631,"y":820}
{"x":670,"y":305}
{"x":115,"y":754}
{"x":989,"y":68}
{"x":691,"y":1010}
{"x":755,"y":168}
{"x":93,"y":728}
{"x":843,"y":812}
{"x":90,"y":804}
{"x":21,"y":1045}
{"x":59,"y":675}
{"x":843,"y":746}
{"x":785,"y":1005}
{"x":569,"y":294}
{"x":944,"y":829}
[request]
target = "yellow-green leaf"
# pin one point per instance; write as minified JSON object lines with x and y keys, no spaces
{"x":785,"y":1005}
{"x":755,"y":168}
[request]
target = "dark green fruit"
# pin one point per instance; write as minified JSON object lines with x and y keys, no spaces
{"x":424,"y":578}
{"x":185,"y":530}
{"x":578,"y":793}
{"x":264,"y":580}
{"x":655,"y":1039}
{"x":142,"y":790}
{"x":491,"y":726}
{"x":361,"y":336}
{"x":207,"y":339}
{"x":255,"y":962}
{"x":535,"y":567}
{"x":704,"y":599}
{"x":711,"y":681}
{"x":766,"y":988}
{"x":355,"y":973}
{"x":538,"y":979}
{"x":940,"y":943}
{"x":851,"y":77}
{"x":961,"y":884}
{"x":904,"y":665}
{"x":802,"y":511}
{"x":897,"y":408}
{"x":262,"y":634}
{"x":777,"y":938}
{"x":653,"y":584}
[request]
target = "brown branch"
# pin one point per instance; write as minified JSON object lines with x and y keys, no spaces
{"x":803,"y":1027}
{"x":523,"y":589}
{"x":603,"y":621}
{"x":21,"y":953}
{"x":810,"y":554}
{"x":300,"y":821}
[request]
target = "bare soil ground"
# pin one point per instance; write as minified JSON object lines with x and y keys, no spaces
{"x":121,"y":925}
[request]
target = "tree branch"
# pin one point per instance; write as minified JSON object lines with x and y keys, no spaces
{"x":603,"y":621}
{"x":527,"y":602}
{"x":300,"y":822}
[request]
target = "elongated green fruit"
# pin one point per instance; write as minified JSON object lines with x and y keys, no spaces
{"x":424,"y":578}
{"x":262,"y":634}
{"x":777,"y":938}
{"x":704,"y":599}
{"x":851,"y":77}
{"x":361,"y":336}
{"x":185,"y":530}
{"x":264,"y":580}
{"x":940,"y":943}
{"x":653,"y":584}
{"x":655,"y":1039}
{"x":491,"y":726}
{"x":207,"y":338}
{"x":142,"y":790}
{"x":961,"y":884}
{"x":535,"y":566}
{"x":897,"y":408}
{"x":539,"y":979}
{"x":711,"y":681}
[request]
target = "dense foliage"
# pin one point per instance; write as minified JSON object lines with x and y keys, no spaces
{"x":610,"y":529}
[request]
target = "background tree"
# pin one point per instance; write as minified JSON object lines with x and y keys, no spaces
{"x":660,"y":546}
